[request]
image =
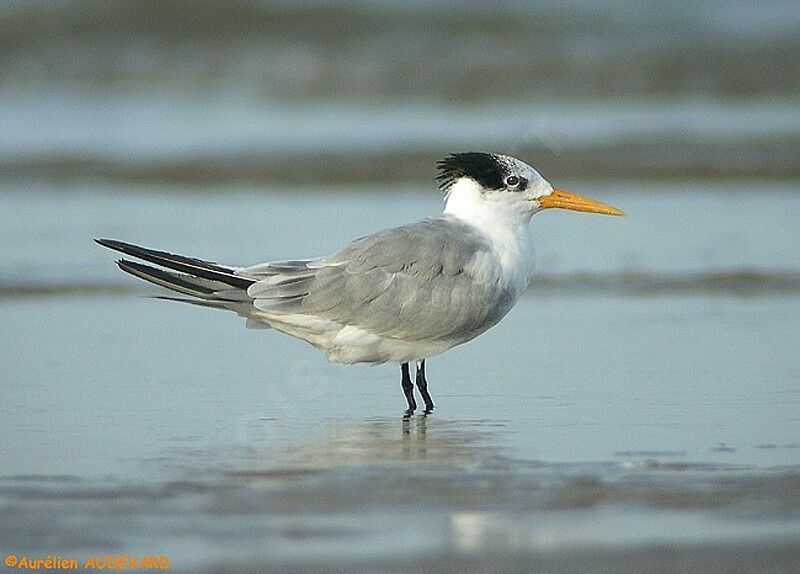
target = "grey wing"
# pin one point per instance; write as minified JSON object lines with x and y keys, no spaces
{"x":415,"y":282}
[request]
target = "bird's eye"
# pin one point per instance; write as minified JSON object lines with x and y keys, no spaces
{"x":512,"y":181}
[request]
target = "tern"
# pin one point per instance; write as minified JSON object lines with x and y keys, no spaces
{"x":401,"y":295}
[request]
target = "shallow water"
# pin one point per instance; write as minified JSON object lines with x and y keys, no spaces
{"x":214,"y":445}
{"x":121,"y":381}
{"x":637,"y":411}
{"x":593,"y":428}
{"x":231,"y":91}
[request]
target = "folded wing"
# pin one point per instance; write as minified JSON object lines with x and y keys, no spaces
{"x":431,"y":280}
{"x":422,"y":281}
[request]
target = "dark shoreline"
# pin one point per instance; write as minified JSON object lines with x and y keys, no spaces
{"x":653,"y":160}
{"x":742,"y":282}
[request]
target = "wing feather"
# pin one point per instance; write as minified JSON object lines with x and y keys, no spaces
{"x":413,"y":282}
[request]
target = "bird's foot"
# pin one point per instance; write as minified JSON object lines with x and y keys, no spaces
{"x":429,"y":406}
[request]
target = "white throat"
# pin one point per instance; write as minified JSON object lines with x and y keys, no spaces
{"x":505,"y":222}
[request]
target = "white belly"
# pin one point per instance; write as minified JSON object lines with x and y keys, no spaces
{"x":355,"y":345}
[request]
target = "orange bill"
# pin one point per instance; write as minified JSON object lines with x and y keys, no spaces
{"x":564,"y":199}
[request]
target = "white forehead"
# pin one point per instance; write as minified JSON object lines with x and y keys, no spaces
{"x":537,"y":185}
{"x":518,"y":166}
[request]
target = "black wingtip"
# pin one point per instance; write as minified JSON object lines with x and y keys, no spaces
{"x":113,"y":243}
{"x":163,"y":278}
{"x":189,"y":265}
{"x":125,"y":265}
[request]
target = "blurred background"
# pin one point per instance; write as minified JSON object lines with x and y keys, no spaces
{"x":264,"y":91}
{"x":203,"y":98}
{"x":662,"y":431}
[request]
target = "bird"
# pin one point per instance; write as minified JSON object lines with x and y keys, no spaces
{"x":401,"y":295}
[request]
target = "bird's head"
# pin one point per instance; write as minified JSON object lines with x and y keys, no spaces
{"x":507,"y":181}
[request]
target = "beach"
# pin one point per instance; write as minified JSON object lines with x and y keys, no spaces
{"x":637,"y":411}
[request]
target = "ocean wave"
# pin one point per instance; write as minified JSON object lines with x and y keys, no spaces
{"x":247,"y":141}
{"x":444,"y":50}
{"x":210,"y":91}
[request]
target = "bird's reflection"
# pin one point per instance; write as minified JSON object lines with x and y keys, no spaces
{"x":414,"y":441}
{"x":418,"y":439}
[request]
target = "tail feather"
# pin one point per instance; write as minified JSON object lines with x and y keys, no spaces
{"x":188,"y":265}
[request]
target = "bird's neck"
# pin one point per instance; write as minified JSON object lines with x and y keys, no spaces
{"x":504,"y":223}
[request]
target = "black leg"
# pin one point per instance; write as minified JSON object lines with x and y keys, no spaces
{"x":422,"y":385}
{"x":408,"y":389}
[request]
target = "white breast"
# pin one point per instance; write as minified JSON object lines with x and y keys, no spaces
{"x":505,"y":224}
